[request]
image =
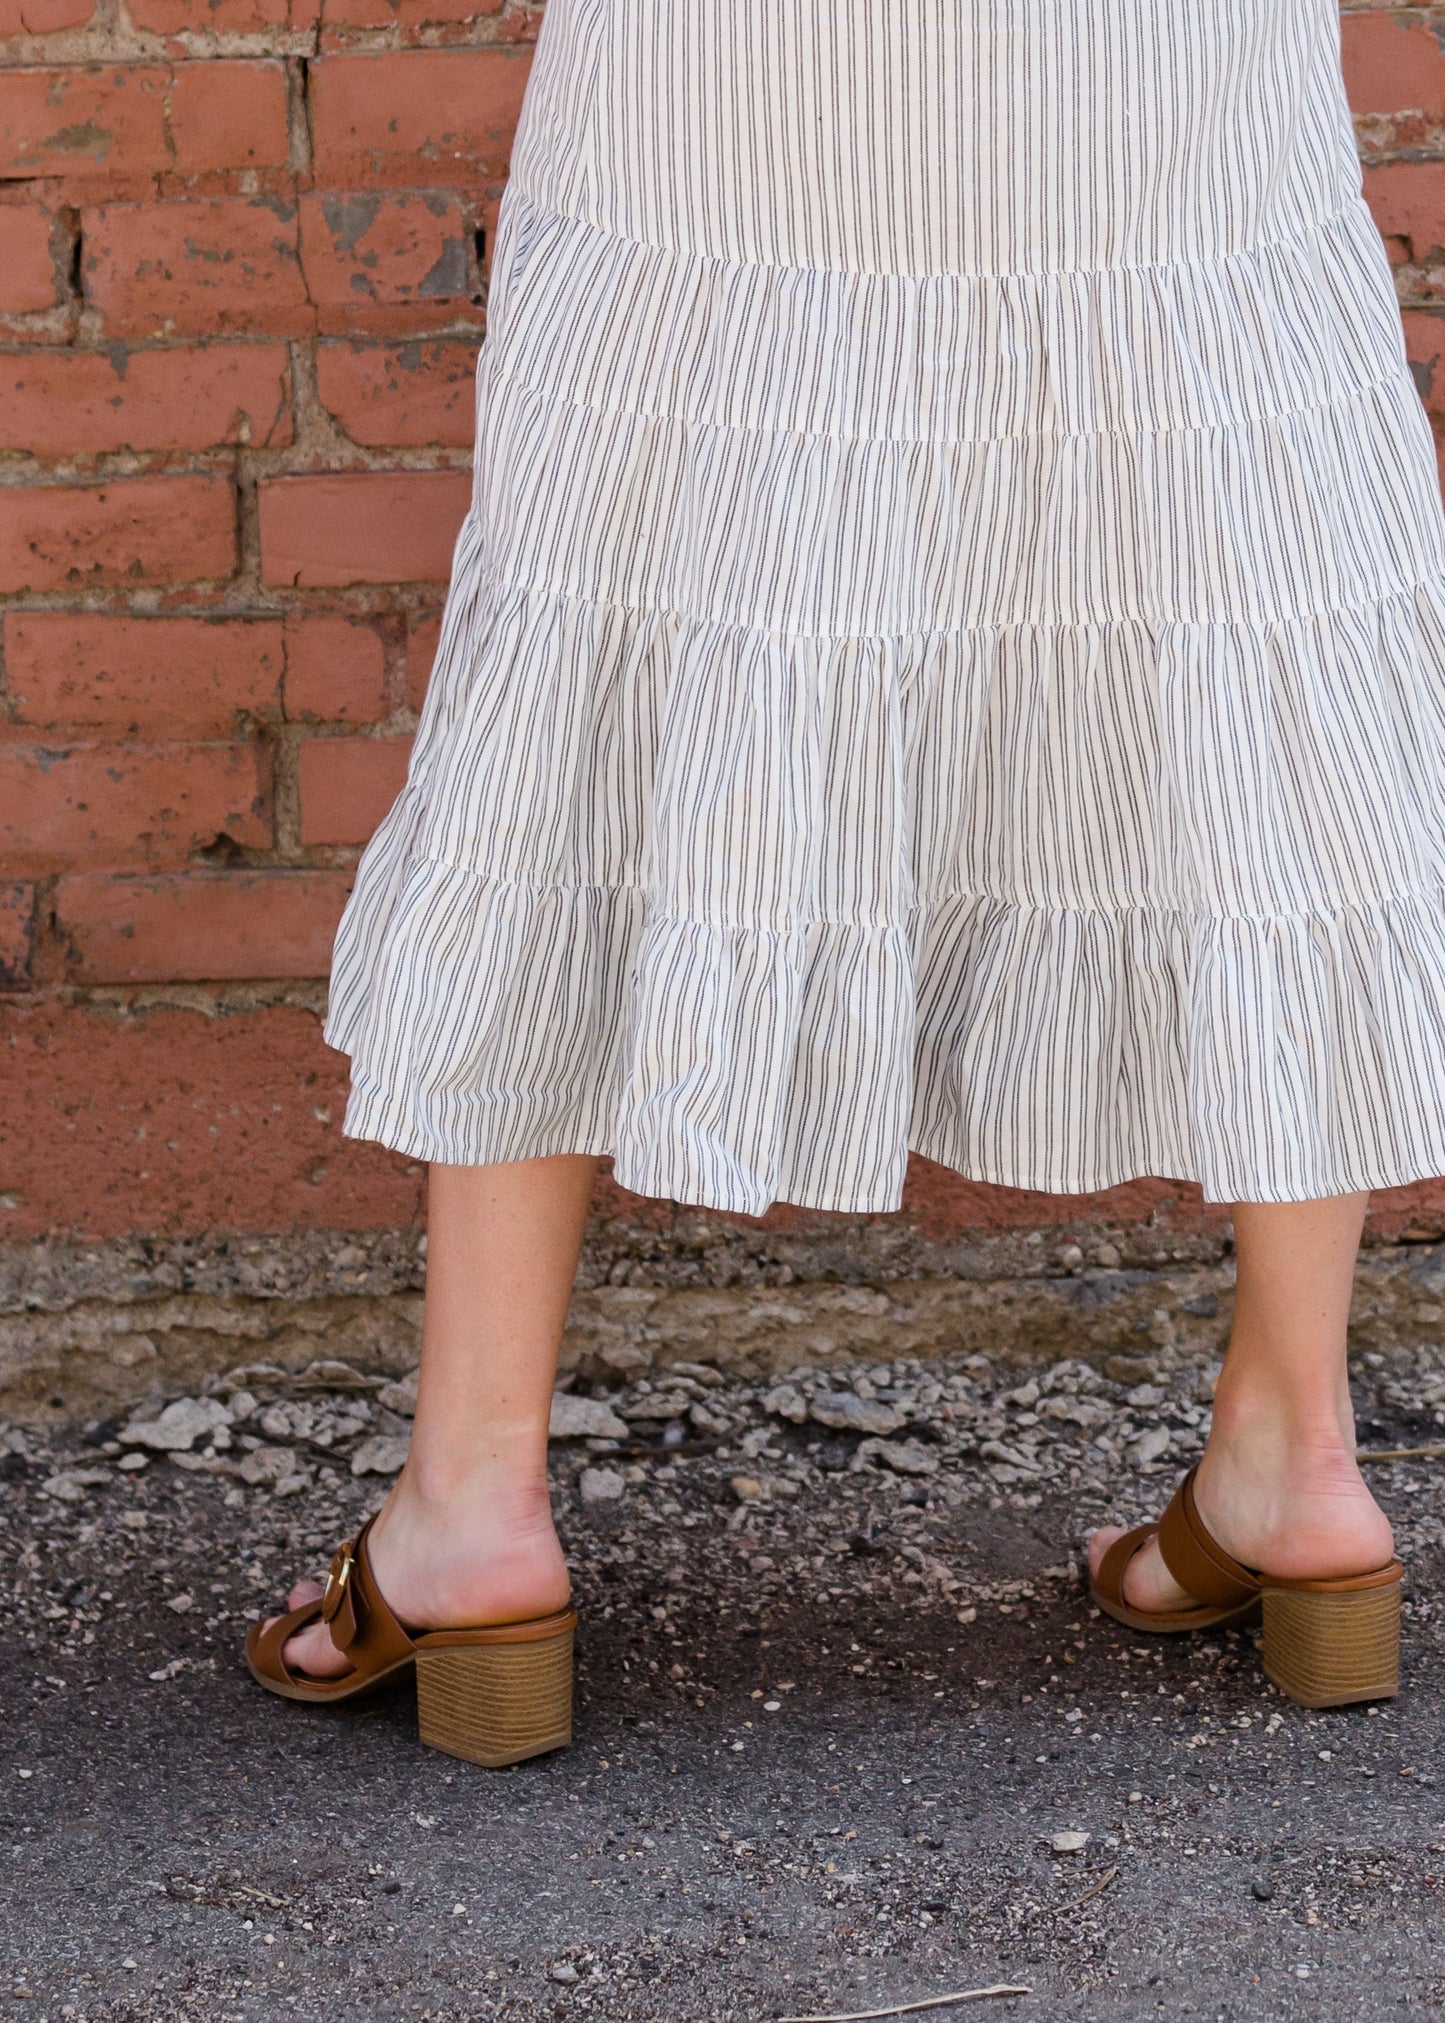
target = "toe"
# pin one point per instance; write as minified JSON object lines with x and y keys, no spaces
{"x":311,"y":1653}
{"x":1149,"y":1585}
{"x":303,"y":1592}
{"x":311,"y":1650}
{"x":1099,"y":1542}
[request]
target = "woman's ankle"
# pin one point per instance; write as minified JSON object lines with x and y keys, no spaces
{"x":1283,"y":1414}
{"x":443,"y":1494}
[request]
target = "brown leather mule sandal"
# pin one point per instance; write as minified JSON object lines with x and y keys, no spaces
{"x":1327,"y":1643}
{"x":493,"y":1695}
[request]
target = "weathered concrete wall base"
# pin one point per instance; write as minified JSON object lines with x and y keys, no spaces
{"x":86,"y":1330}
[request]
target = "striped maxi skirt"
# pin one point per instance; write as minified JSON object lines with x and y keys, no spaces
{"x":948,"y":645}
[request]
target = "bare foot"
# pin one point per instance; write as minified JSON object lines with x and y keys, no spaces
{"x":1298,"y":1509}
{"x":488,"y":1554}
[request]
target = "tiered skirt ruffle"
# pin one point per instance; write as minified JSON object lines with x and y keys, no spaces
{"x":1002,"y":717}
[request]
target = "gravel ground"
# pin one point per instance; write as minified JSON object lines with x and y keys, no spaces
{"x":839,"y":1691}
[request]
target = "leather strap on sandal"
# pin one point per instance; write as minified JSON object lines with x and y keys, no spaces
{"x":1198,"y":1561}
{"x":353,"y":1608}
{"x":1108,"y":1582}
{"x":1221,"y":1590}
{"x":266,"y":1644}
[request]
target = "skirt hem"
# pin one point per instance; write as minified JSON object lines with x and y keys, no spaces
{"x":371,"y":1118}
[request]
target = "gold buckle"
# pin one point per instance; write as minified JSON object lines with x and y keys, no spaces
{"x":336,"y":1580}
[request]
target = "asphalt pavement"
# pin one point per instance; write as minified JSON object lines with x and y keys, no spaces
{"x":831,"y":1719}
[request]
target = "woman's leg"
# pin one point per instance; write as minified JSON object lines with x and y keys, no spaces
{"x":466,"y":1534}
{"x":1278,"y":1484}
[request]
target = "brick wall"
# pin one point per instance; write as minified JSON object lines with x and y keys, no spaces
{"x":242,"y":274}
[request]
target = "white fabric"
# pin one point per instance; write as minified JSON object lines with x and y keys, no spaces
{"x":948,"y":649}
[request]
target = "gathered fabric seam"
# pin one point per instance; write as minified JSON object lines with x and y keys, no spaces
{"x":1316,"y":229}
{"x":1356,"y":396}
{"x":505,"y":586}
{"x":1194,"y":914}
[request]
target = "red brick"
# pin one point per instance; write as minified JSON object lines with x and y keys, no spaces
{"x":1408,"y":202}
{"x":43,"y":17}
{"x":17,"y":935}
{"x":136,"y":530}
{"x":122,"y":806}
{"x":27,"y":262}
{"x":58,"y":403}
{"x":347,"y":785}
{"x":167,"y":1120}
{"x":199,"y":265}
{"x":453,"y":111}
{"x":1393,"y":65}
{"x":218,"y":17}
{"x":400,"y":395}
{"x":361,"y":527}
{"x":422,"y":640}
{"x":58,"y":121}
{"x":367,"y":248}
{"x":198,"y":926}
{"x":403,"y":13}
{"x":229,"y":116}
{"x":335,"y":671}
{"x":167,"y":677}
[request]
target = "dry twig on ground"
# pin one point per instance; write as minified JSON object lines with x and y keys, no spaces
{"x":1075,"y":1903}
{"x":911,"y":2008}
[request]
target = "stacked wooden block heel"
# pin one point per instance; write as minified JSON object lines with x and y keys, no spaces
{"x":1332,"y":1643}
{"x":498,"y":1702}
